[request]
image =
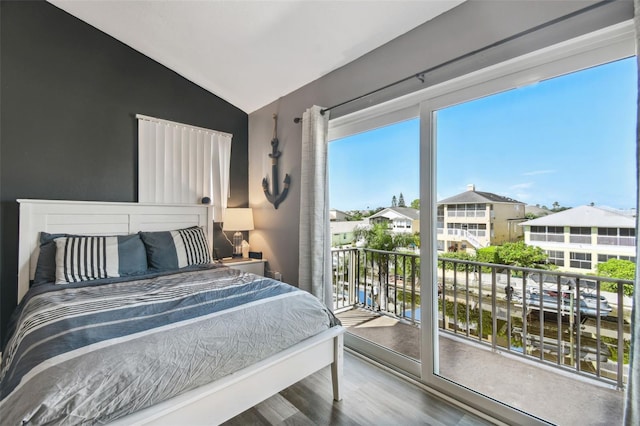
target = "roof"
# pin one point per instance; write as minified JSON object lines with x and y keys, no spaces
{"x":469,"y":197}
{"x":335,"y":214}
{"x":538,"y":211}
{"x":407,"y":212}
{"x":585,"y":216}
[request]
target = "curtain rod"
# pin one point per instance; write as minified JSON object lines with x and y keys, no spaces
{"x":175,"y":123}
{"x":421,"y":75}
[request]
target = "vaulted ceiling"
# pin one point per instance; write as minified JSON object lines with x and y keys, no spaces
{"x":250,"y":53}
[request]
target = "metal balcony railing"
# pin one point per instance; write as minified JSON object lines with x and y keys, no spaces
{"x":573,"y":322}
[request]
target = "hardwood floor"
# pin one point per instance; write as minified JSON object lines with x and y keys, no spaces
{"x":370,"y":396}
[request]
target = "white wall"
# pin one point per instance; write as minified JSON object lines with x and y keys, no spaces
{"x":464,"y":29}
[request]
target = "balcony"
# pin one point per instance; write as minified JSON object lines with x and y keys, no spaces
{"x":617,"y":241}
{"x":558,"y":335}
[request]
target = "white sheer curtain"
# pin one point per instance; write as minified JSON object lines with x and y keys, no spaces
{"x":632,"y":403}
{"x":181,"y":164}
{"x":315,"y":240}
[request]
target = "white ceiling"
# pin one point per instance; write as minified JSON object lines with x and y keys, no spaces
{"x":250,"y":53}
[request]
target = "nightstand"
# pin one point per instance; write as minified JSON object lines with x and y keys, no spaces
{"x":254,"y":266}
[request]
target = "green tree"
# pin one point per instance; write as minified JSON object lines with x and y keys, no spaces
{"x":376,"y":237}
{"x":405,"y":240}
{"x":488,"y":255}
{"x":354,"y":215}
{"x":617,"y":268}
{"x":459,"y":255}
{"x":401,"y":201}
{"x":415,"y":204}
{"x":394,"y":202}
{"x":520,"y":254}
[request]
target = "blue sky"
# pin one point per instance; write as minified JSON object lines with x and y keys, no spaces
{"x":570,"y":139}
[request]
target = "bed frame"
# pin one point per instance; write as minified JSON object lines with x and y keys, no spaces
{"x":220,"y":400}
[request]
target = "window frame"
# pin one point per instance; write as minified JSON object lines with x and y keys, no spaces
{"x":580,"y":260}
{"x":596,"y":48}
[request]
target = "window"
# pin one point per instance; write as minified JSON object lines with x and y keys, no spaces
{"x":580,"y":235}
{"x":617,"y":236}
{"x":193,"y":162}
{"x":608,"y":231}
{"x":477,"y":229}
{"x":604,"y":257}
{"x":556,"y":257}
{"x":580,"y":260}
{"x":579,"y":230}
{"x":547,"y":233}
{"x":467,"y":129}
{"x":464,"y":164}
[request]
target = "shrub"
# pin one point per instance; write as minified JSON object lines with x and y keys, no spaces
{"x":461,"y":255}
{"x":488,"y":255}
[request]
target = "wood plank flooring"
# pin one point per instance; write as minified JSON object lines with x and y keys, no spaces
{"x":371,"y":396}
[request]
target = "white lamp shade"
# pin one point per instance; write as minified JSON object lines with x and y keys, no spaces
{"x":240,"y":219}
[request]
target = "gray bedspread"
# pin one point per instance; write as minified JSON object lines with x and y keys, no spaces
{"x":91,"y":354}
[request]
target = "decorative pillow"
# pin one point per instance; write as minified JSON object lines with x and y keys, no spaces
{"x":176,"y":249}
{"x":83,"y":258}
{"x":46,"y":266}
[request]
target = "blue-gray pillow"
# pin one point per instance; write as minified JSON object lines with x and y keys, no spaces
{"x":46,"y":265}
{"x":85,"y":258}
{"x":177,"y":249}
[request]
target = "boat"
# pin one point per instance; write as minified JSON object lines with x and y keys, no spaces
{"x":565,"y":302}
{"x":560,"y":295}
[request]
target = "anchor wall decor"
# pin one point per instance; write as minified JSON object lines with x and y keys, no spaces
{"x":276,"y":197}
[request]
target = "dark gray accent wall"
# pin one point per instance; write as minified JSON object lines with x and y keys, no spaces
{"x":68,"y":99}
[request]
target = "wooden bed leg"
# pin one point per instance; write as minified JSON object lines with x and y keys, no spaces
{"x":336,"y":368}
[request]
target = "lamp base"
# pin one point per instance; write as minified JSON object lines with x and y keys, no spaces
{"x":237,"y":244}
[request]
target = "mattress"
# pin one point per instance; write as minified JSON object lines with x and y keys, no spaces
{"x":93,"y":352}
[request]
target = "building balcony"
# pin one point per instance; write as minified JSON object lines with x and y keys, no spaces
{"x":563,"y":337}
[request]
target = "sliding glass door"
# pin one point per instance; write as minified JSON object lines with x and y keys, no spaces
{"x":523,"y":180}
{"x":374,"y":187}
{"x":503,"y":303}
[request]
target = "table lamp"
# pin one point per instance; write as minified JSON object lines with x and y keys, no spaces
{"x":237,"y":219}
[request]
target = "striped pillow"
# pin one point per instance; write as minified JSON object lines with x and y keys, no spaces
{"x":191,"y":247}
{"x":167,"y":250}
{"x":84,"y":258}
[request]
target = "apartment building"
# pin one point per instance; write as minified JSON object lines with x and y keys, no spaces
{"x":578,"y":239}
{"x":475,"y":219}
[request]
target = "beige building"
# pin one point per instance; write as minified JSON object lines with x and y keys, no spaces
{"x":475,"y":219}
{"x":578,"y":239}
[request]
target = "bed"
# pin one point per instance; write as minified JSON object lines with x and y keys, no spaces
{"x":169,"y":372}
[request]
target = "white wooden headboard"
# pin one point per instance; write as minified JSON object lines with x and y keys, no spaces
{"x":98,"y":218}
